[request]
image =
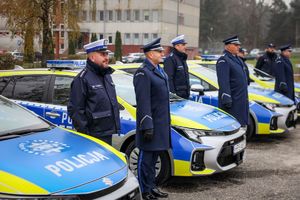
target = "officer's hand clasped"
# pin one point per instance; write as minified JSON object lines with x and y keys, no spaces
{"x":148,"y":135}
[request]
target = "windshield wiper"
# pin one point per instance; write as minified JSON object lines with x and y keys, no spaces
{"x":21,"y":132}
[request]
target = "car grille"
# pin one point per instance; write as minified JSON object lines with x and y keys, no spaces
{"x":290,"y":119}
{"x":273,"y":123}
{"x":226,"y":156}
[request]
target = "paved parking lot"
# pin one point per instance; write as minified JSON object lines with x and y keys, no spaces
{"x":271,"y":171}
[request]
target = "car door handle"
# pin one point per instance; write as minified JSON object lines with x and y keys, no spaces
{"x":52,"y":114}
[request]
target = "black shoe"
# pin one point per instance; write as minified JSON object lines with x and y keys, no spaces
{"x":156,"y":192}
{"x":148,"y":196}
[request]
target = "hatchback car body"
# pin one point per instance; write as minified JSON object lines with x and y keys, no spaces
{"x":266,"y":97}
{"x":205,"y":140}
{"x":43,"y":161}
{"x":263,"y":120}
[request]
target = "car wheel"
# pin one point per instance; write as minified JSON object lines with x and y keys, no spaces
{"x":250,"y":129}
{"x":163,"y":169}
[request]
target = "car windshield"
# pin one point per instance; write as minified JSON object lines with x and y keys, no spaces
{"x":259,"y":74}
{"x":125,"y":89}
{"x":209,"y":73}
{"x":14,"y":118}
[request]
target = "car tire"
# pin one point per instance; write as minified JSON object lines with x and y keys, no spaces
{"x":163,"y":167}
{"x":250,"y":129}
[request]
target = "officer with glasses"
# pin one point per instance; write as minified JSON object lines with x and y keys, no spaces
{"x":233,"y":82}
{"x":153,"y":117}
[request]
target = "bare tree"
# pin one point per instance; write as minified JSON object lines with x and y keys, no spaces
{"x":40,"y":15}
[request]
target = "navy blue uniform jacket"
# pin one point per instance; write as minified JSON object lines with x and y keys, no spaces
{"x":284,"y":77}
{"x":266,"y":63}
{"x":153,"y":107}
{"x":93,"y":106}
{"x":233,"y":87}
{"x":176,"y":68}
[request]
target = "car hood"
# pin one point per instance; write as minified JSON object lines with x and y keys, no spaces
{"x":60,"y":162}
{"x":191,"y":114}
{"x":270,"y":96}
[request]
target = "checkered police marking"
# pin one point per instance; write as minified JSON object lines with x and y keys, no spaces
{"x":43,"y":147}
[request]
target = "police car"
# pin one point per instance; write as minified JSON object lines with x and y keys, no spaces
{"x":265,"y":97}
{"x":263,"y":119}
{"x":205,"y":140}
{"x":265,"y":80}
{"x":42,"y":161}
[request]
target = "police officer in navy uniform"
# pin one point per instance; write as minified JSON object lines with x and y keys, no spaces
{"x":284,"y":74}
{"x":153,"y":117}
{"x":232,"y":80}
{"x":242,"y":55}
{"x":266,"y":62}
{"x":93,"y":105}
{"x":176,"y":68}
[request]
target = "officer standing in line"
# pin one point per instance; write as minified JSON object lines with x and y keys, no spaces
{"x":176,"y":68}
{"x":233,"y":84}
{"x":284,"y":74}
{"x":266,"y":62}
{"x":93,"y":105}
{"x":241,"y":54}
{"x":153,"y":117}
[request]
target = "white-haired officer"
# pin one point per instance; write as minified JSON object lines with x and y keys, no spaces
{"x":153,"y":117}
{"x":232,"y":80}
{"x":177,"y":69}
{"x":93,"y":105}
{"x":284,"y":74}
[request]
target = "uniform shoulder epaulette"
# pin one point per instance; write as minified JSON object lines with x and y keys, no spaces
{"x":278,"y":59}
{"x":221,"y":59}
{"x":82,"y":73}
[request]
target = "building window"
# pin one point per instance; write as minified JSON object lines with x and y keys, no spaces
{"x":101,"y":15}
{"x":110,"y":39}
{"x":119,"y":15}
{"x":180,"y":19}
{"x":154,"y":36}
{"x":62,"y":46}
{"x":62,"y":34}
{"x":137,"y":15}
{"x":62,"y":6}
{"x":110,"y":15}
{"x":84,"y":15}
{"x":136,"y":38}
{"x":101,"y":36}
{"x":146,"y":38}
{"x":62,"y":26}
{"x":155,"y":15}
{"x":146,"y":15}
{"x":128,"y":15}
{"x":127,"y":38}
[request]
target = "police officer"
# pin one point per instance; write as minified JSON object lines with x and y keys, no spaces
{"x":153,"y":117}
{"x":242,"y":55}
{"x":284,"y":75}
{"x":232,"y":80}
{"x":266,"y":62}
{"x":176,"y":68}
{"x":93,"y":105}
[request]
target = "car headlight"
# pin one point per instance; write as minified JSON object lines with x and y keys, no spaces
{"x":270,"y":106}
{"x":196,"y":134}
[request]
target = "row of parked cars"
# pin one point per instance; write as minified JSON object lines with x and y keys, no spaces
{"x":205,"y":139}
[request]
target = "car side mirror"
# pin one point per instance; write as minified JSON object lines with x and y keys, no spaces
{"x":198,"y":88}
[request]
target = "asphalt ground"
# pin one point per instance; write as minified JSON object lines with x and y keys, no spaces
{"x":271,"y":170}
